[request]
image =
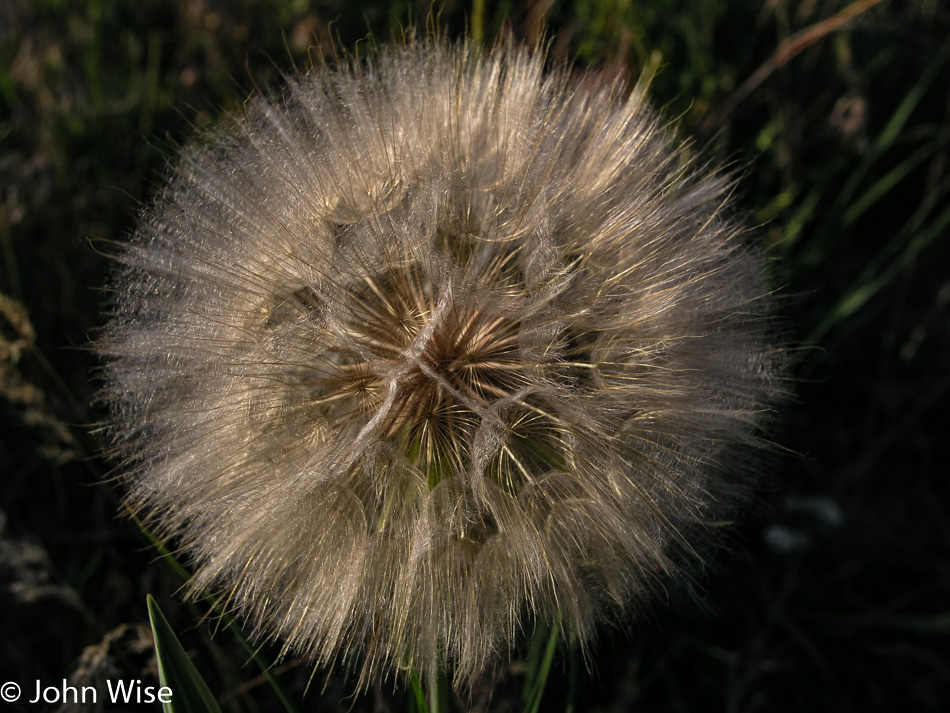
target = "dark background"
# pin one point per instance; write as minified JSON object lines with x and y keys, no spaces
{"x":836,"y":593}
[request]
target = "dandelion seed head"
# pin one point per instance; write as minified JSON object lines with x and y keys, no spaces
{"x":436,"y":346}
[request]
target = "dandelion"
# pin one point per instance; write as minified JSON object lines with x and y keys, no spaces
{"x":438,"y":347}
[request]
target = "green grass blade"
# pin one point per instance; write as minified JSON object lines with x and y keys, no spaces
{"x":895,"y":124}
{"x":539,"y":668}
{"x":844,"y":204}
{"x":226,"y":619}
{"x":936,"y":229}
{"x":870,"y":284}
{"x":885,"y":184}
{"x":190,"y":694}
{"x":419,"y":695}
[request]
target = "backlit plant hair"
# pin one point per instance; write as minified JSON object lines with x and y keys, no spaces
{"x":437,"y":347}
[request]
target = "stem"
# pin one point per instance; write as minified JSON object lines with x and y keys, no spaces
{"x":478,"y":22}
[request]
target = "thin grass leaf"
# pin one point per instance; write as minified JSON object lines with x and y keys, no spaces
{"x":938,"y":624}
{"x":419,"y":695}
{"x":795,"y":224}
{"x":439,"y":694}
{"x":926,"y":236}
{"x":842,"y":204}
{"x":869,"y":284}
{"x":539,"y":667}
{"x":228,"y":621}
{"x":885,"y":184}
{"x":175,"y":670}
{"x":895,"y":125}
{"x":571,"y":704}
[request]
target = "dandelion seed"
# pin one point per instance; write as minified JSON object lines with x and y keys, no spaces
{"x":435,"y":347}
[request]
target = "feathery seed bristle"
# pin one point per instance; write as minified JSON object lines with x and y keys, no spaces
{"x":436,"y":347}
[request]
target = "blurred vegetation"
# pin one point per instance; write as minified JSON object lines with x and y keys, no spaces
{"x":837,"y":115}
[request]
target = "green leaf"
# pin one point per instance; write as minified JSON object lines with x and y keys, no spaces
{"x":189,"y":691}
{"x":893,"y":178}
{"x":419,"y":695}
{"x":226,"y":618}
{"x":895,"y":125}
{"x":539,"y":665}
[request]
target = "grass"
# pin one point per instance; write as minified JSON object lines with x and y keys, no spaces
{"x":836,"y":595}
